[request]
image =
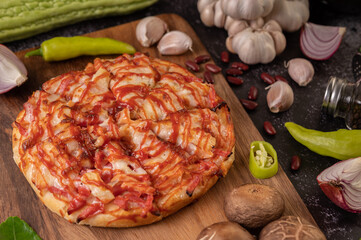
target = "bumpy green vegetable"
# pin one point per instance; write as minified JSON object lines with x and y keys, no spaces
{"x":21,"y":19}
{"x":341,"y":144}
{"x":61,"y":48}
{"x":14,"y":228}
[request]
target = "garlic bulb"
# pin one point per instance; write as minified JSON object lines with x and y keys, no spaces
{"x":280,"y":97}
{"x":174,"y":43}
{"x":290,"y":14}
{"x":149,"y":30}
{"x":247,"y":9}
{"x":301,"y":71}
{"x":259,"y":45}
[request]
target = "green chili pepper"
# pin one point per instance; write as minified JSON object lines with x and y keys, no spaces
{"x":341,"y":144}
{"x":263,"y":161}
{"x":61,"y":48}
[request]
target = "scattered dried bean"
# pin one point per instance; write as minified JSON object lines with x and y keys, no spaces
{"x":240,"y":65}
{"x":213,"y":68}
{"x":267,"y":78}
{"x":269,"y":128}
{"x":225,"y":56}
{"x":234,"y":71}
{"x":207,"y":76}
{"x":250,"y":105}
{"x":202,"y":59}
{"x":235,"y":80}
{"x":296,"y":162}
{"x":280,"y":78}
{"x":253,"y":93}
{"x":192,"y":66}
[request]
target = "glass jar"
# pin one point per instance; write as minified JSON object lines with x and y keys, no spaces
{"x":343,"y":99}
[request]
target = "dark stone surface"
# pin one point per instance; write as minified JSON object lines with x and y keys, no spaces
{"x":336,"y":223}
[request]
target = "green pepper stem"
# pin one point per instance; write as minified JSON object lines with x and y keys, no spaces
{"x":36,"y":52}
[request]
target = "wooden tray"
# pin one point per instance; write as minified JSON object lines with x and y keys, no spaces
{"x":18,"y":199}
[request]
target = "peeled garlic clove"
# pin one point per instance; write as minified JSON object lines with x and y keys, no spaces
{"x":149,"y":30}
{"x":279,"y":40}
{"x":236,"y":27}
{"x":207,"y":15}
{"x":175,"y":43}
{"x":301,"y":71}
{"x":280,"y":97}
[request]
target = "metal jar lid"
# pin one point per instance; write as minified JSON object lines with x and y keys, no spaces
{"x":332,"y":95}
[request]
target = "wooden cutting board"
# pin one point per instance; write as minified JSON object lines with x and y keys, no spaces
{"x":18,"y":199}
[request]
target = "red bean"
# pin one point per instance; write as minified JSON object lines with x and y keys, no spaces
{"x":213,"y":68}
{"x":280,"y":78}
{"x":234,"y":71}
{"x":192,"y":66}
{"x":268,"y":127}
{"x":250,"y":105}
{"x":225,"y":56}
{"x":235,"y":80}
{"x":240,"y":65}
{"x":207,"y":76}
{"x":253,"y":93}
{"x":296,"y":162}
{"x":202,"y":59}
{"x":267,"y":78}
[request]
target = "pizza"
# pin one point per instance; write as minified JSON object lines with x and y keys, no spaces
{"x":125,"y":142}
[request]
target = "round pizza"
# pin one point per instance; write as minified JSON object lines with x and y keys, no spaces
{"x":125,"y":142}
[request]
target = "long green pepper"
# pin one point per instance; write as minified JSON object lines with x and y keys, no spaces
{"x":62,"y":48}
{"x":341,"y":144}
{"x":24,"y":18}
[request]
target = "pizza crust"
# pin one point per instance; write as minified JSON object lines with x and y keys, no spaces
{"x":122,"y":218}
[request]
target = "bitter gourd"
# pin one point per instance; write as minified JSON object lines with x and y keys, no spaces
{"x":24,"y":18}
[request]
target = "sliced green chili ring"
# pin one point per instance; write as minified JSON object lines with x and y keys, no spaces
{"x":263,"y":162}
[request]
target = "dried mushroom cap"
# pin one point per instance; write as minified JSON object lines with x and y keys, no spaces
{"x":253,"y":205}
{"x":291,"y":227}
{"x":225,"y":231}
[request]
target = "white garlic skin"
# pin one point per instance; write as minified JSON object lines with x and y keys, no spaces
{"x":201,"y":4}
{"x":149,"y":30}
{"x":254,"y":46}
{"x":207,"y":15}
{"x":236,"y":27}
{"x":280,"y":97}
{"x":219,"y":16}
{"x":247,"y":9}
{"x":174,"y":43}
{"x":256,"y":23}
{"x":301,"y":71}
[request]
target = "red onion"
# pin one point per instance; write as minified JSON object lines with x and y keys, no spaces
{"x":320,"y":42}
{"x":12,"y":71}
{"x":342,"y":184}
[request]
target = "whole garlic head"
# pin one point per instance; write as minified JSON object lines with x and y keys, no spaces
{"x":149,"y":30}
{"x":290,"y":14}
{"x":258,"y":45}
{"x":247,"y":9}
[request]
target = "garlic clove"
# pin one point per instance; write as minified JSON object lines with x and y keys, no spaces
{"x":174,"y":43}
{"x":149,"y":30}
{"x":219,"y":16}
{"x":228,"y":22}
{"x":279,"y":40}
{"x":207,"y":15}
{"x":279,"y":97}
{"x":12,"y":71}
{"x":301,"y":71}
{"x":229,"y":44}
{"x":202,"y":4}
{"x":236,"y":27}
{"x":272,"y":25}
{"x":256,"y":23}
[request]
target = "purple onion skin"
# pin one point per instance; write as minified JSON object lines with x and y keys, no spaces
{"x":334,"y":187}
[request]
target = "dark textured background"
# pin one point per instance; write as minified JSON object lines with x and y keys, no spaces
{"x":336,"y":223}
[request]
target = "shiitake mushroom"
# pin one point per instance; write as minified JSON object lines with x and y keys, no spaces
{"x":253,"y":205}
{"x":225,"y":231}
{"x":293,"y":227}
